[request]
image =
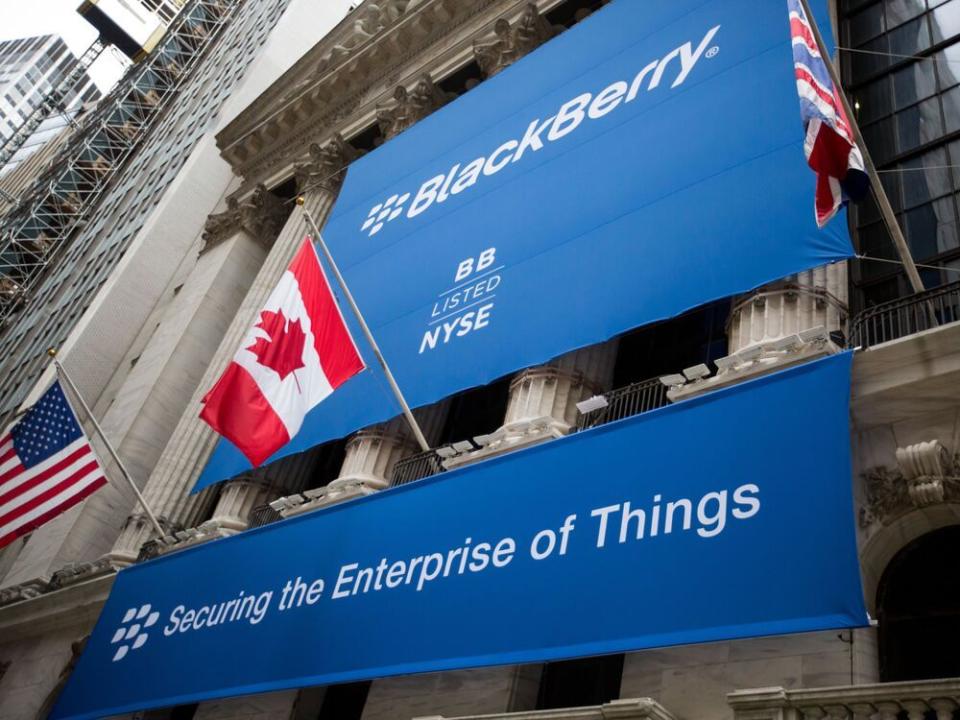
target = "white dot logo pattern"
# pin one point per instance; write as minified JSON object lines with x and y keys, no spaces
{"x":130,"y":635}
{"x":383,"y":213}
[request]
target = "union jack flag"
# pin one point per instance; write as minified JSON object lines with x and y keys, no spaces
{"x":830,"y":148}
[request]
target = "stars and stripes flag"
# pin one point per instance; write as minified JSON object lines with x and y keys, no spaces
{"x":46,"y":466}
{"x":830,"y":148}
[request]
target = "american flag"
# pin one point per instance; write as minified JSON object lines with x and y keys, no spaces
{"x":46,"y":466}
{"x":829,"y":146}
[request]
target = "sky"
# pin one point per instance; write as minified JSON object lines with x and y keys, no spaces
{"x":58,"y":17}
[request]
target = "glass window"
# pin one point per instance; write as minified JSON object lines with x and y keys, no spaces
{"x":948,"y":66}
{"x":914,"y":83}
{"x":925,"y":178}
{"x":911,"y":38}
{"x":945,"y":21}
{"x":866,"y":25}
{"x":876,"y":100}
{"x":932,"y":229}
{"x":900,"y":11}
{"x":881,"y":140}
{"x":919,"y":125}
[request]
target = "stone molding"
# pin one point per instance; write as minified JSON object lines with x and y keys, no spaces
{"x":72,"y":606}
{"x":261,"y":216}
{"x":885,"y":701}
{"x":73,"y":573}
{"x":24,"y":591}
{"x":626,"y":709}
{"x":409,"y":107}
{"x":306,"y":103}
{"x":514,"y":41}
{"x":926,"y":475}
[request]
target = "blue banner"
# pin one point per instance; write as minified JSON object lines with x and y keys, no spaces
{"x":646,"y":161}
{"x":687,"y":524}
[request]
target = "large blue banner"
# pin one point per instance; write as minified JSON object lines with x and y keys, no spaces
{"x":646,"y":161}
{"x":683,"y":525}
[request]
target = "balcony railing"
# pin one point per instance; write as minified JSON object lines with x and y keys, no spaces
{"x":623,"y":402}
{"x":914,"y":700}
{"x":263,"y":515}
{"x":906,"y":316}
{"x":416,"y":467}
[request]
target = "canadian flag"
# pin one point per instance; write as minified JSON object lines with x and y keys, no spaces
{"x":297,"y":353}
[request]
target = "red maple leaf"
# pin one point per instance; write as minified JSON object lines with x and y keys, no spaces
{"x":283,"y":351}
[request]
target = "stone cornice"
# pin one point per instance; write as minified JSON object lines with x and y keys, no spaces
{"x":74,"y":606}
{"x":307,"y":106}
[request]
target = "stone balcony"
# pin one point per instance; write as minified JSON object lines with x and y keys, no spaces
{"x":915,"y":700}
{"x":630,"y":709}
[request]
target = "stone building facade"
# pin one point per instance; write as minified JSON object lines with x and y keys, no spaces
{"x":229,"y":229}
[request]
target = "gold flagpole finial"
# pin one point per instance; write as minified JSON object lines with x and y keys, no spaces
{"x":300,"y":200}
{"x":52,"y":352}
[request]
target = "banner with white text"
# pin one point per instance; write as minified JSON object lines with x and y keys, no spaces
{"x":687,"y":524}
{"x":642,"y":163}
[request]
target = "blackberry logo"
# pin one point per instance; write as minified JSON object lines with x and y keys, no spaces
{"x":583,"y":109}
{"x":383,"y":213}
{"x":130,"y":633}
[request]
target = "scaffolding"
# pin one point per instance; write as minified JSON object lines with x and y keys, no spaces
{"x":36,"y":232}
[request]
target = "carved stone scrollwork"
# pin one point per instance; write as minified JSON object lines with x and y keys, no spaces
{"x":513,"y":42}
{"x":372,"y":19}
{"x":409,"y":107}
{"x":926,"y":475}
{"x":262,"y":215}
{"x":23,"y":591}
{"x":327,"y":166}
{"x":78,"y":572}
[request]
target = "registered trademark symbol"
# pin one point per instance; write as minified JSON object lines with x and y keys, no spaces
{"x":712,"y":52}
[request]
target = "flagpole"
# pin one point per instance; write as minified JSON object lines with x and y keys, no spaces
{"x":883,"y":202}
{"x":411,"y":420}
{"x":62,"y":374}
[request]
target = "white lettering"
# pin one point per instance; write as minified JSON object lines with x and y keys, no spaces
{"x":569,"y":117}
{"x":608,"y":100}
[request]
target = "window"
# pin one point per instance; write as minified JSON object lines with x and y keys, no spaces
{"x":581,"y":682}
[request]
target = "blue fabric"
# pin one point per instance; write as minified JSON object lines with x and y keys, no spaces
{"x":46,"y":429}
{"x":766,"y":456}
{"x":695,"y":190}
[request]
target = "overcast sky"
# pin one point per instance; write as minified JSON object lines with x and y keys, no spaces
{"x":19,"y":18}
{"x":57,"y":17}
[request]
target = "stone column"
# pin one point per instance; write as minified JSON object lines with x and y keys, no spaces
{"x":800,"y":302}
{"x":190,"y":446}
{"x":238,"y":497}
{"x":151,"y":397}
{"x":547,"y":396}
{"x":371,"y":455}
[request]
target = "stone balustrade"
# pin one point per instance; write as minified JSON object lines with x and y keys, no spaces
{"x":628,"y":709}
{"x":917,"y":700}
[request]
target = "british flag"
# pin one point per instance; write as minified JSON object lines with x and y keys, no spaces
{"x":831,"y":150}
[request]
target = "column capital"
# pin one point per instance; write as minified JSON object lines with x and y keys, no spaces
{"x":410,"y":106}
{"x":261,"y":215}
{"x":513,"y":41}
{"x":327,"y":166}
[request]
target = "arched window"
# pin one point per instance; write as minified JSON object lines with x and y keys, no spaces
{"x":918,"y":608}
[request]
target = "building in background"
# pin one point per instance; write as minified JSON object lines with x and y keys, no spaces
{"x":902,"y":68}
{"x":152,"y":295}
{"x":30,"y":69}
